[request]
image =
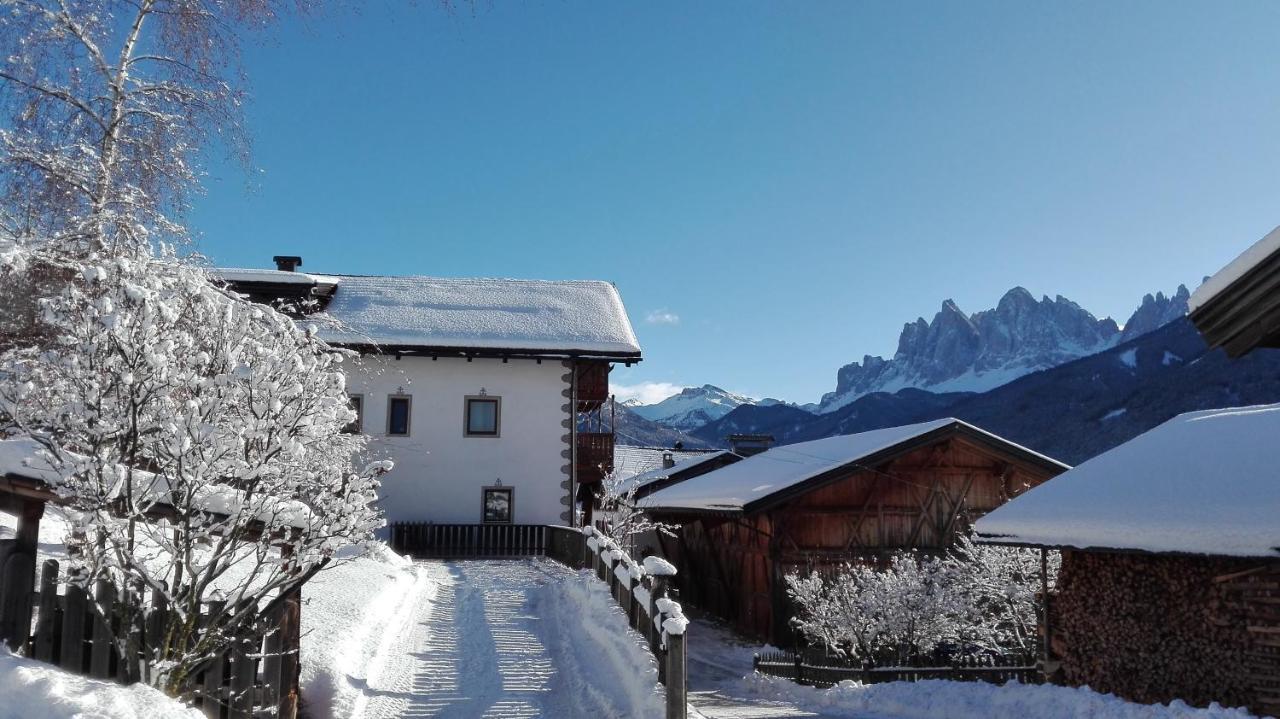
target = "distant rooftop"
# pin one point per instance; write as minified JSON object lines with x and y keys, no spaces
{"x":1202,"y":483}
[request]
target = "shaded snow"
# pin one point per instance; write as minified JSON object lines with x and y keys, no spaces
{"x":35,"y":690}
{"x":1115,"y":413}
{"x":732,"y":487}
{"x":1203,"y":483}
{"x":1129,"y":358}
{"x":935,"y":698}
{"x":1237,"y":268}
{"x":533,"y":315}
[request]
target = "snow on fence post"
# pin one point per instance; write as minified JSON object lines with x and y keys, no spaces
{"x":657,"y":590}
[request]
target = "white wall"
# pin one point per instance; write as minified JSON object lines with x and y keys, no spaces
{"x":439,"y":472}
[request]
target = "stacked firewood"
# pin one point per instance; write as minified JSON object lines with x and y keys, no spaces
{"x":1152,"y":628}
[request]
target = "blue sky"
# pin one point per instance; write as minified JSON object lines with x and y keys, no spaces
{"x":775,"y":188}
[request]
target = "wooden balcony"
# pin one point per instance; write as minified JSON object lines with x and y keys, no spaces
{"x":593,"y":384}
{"x":595,"y":456}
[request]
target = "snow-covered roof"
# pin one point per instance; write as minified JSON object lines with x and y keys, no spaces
{"x":1237,"y":268}
{"x":737,"y":486}
{"x":279,"y":277}
{"x":684,"y":461}
{"x":536,"y":316}
{"x":1202,"y":483}
{"x":631,"y":460}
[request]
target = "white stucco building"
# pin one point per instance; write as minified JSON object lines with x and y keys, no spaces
{"x":482,"y":391}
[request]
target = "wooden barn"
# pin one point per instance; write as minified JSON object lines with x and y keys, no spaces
{"x":1170,"y":562}
{"x":745,"y":526}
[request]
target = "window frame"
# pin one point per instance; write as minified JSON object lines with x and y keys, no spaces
{"x":408,"y":415}
{"x":484,"y":505}
{"x":497,"y":415}
{"x":356,"y":427}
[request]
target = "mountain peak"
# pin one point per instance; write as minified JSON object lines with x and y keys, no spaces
{"x":1020,"y":335}
{"x":692,"y":407}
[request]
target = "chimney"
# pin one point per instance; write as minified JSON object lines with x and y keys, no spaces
{"x":668,"y":460}
{"x":287,"y":263}
{"x":745,"y":445}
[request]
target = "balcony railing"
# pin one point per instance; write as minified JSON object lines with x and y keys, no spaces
{"x":593,"y":384}
{"x":595,"y":456}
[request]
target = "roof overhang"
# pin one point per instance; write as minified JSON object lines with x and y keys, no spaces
{"x":1245,"y":314}
{"x":435,"y":352}
{"x":999,"y":540}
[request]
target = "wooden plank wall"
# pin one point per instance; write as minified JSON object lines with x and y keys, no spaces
{"x":735,"y":566}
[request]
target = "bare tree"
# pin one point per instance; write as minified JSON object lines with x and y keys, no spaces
{"x":110,"y":105}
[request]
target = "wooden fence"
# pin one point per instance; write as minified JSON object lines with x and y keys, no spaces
{"x":257,"y":675}
{"x":469,"y":541}
{"x":647,"y":605}
{"x":825,"y":671}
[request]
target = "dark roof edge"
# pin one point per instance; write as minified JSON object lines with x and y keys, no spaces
{"x":1003,"y":540}
{"x":486,"y":352}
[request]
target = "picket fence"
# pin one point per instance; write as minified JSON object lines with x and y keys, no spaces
{"x":257,"y":675}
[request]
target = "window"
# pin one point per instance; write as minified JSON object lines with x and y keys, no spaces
{"x":483,"y":416}
{"x":398,"y":415}
{"x":357,"y":424}
{"x":497,"y":505}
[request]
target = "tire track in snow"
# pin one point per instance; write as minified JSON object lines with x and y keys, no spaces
{"x":511,"y":639}
{"x":389,"y":667}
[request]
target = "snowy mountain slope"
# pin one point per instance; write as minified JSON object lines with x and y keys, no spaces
{"x":693,"y":407}
{"x":956,"y":352}
{"x":1070,"y":412}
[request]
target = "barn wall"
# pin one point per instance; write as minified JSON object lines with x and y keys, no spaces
{"x":735,"y":567}
{"x":1155,"y":628}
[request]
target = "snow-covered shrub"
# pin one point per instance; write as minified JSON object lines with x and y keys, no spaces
{"x":198,"y":437}
{"x":975,"y":598}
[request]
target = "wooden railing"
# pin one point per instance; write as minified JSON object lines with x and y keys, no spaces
{"x":256,"y":675}
{"x":469,"y":541}
{"x":824,"y":671}
{"x":643,"y":596}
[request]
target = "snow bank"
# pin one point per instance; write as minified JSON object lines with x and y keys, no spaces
{"x":613,"y":663}
{"x":970,"y":700}
{"x":35,"y":690}
{"x":1201,"y":483}
{"x":351,"y":615}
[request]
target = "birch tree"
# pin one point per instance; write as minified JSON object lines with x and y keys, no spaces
{"x":197,"y":438}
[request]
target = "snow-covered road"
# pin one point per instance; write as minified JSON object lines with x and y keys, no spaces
{"x":510,"y":639}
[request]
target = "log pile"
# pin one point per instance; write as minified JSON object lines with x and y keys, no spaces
{"x":1155,"y":628}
